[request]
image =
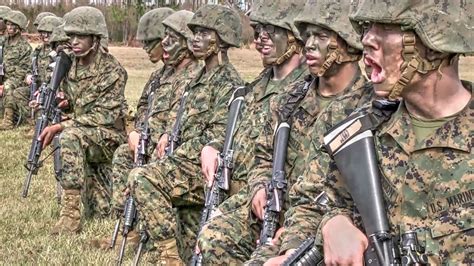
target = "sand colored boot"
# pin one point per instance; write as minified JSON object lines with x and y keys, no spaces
{"x":70,"y":216}
{"x":168,"y":250}
{"x":8,"y":119}
{"x":133,"y":240}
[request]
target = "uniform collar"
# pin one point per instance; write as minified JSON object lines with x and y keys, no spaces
{"x":454,"y":134}
{"x":93,"y":69}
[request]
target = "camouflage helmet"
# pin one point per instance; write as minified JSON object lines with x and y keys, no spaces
{"x":85,"y":20}
{"x":223,"y":20}
{"x":150,"y":26}
{"x":58,"y":35}
{"x":179,"y":23}
{"x":443,"y":26}
{"x":332,"y":15}
{"x":280,"y":13}
{"x":49,"y":23}
{"x":3,"y":11}
{"x":40,"y":16}
{"x":17,"y":18}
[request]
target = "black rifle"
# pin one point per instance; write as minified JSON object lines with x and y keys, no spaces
{"x":351,"y":144}
{"x":175,"y":139}
{"x":143,"y":239}
{"x":34,"y":79}
{"x":57,"y":165}
{"x":2,"y":70}
{"x":47,"y":105}
{"x":276,"y":189}
{"x":129,"y":221}
{"x":145,"y":134}
{"x":216,"y":194}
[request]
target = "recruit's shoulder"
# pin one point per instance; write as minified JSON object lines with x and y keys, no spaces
{"x":228,"y":74}
{"x":109,"y":64}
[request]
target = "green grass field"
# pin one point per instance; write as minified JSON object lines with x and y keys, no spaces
{"x":25,"y":223}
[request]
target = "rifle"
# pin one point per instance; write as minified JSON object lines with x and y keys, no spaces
{"x":57,"y":165}
{"x":130,"y":216}
{"x":34,"y":79}
{"x":216,"y":194}
{"x":175,"y":140}
{"x":277,"y":186}
{"x":47,"y":102}
{"x":2,"y":70}
{"x":351,"y":144}
{"x":145,"y":134}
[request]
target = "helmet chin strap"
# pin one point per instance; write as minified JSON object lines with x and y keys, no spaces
{"x":94,"y":46}
{"x":412,"y":62}
{"x":336,"y":55}
{"x":293,"y":48}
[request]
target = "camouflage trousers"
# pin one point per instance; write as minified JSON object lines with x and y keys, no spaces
{"x":17,"y":100}
{"x":86,"y":154}
{"x":122,"y":164}
{"x":229,"y":238}
{"x":170,"y":197}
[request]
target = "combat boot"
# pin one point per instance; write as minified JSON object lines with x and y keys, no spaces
{"x":70,"y":216}
{"x":133,"y":239}
{"x":8,"y":119}
{"x":168,"y":250}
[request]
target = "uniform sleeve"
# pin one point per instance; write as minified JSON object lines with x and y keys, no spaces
{"x":142,"y":104}
{"x":108,"y":104}
{"x":17,"y":73}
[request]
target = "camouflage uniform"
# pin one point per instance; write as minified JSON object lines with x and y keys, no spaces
{"x":17,"y":60}
{"x":300,"y":104}
{"x":427,"y":185}
{"x":123,"y":161}
{"x":96,"y":126}
{"x":161,"y":186}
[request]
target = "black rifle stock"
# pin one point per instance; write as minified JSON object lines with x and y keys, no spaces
{"x":174,"y":139}
{"x":277,"y":187}
{"x":47,"y":104}
{"x":351,"y":143}
{"x":216,"y":194}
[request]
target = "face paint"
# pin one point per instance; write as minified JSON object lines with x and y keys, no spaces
{"x":154,"y":50}
{"x":383,"y":55}
{"x":204,"y":42}
{"x":317,"y":40}
{"x":81,"y":45}
{"x":174,"y":45}
{"x":271,"y":41}
{"x":12,"y":29}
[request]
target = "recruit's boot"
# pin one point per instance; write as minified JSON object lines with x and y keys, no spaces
{"x":168,"y":250}
{"x":70,"y":216}
{"x":8,"y":119}
{"x":133,"y":239}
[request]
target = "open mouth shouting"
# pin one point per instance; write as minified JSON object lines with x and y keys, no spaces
{"x":377,"y":74}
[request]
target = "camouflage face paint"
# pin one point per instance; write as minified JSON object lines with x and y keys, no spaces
{"x":154,"y":50}
{"x":12,"y":29}
{"x":204,"y":40}
{"x":317,"y":40}
{"x":174,"y":44}
{"x":271,"y":42}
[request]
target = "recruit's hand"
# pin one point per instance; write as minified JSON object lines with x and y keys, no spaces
{"x":1,"y":90}
{"x":344,"y":244}
{"x":280,"y":259}
{"x":29,"y":79}
{"x":61,"y":100}
{"x":258,"y":203}
{"x":48,"y":133}
{"x":209,"y":158}
{"x":161,"y":146}
{"x":133,"y":138}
